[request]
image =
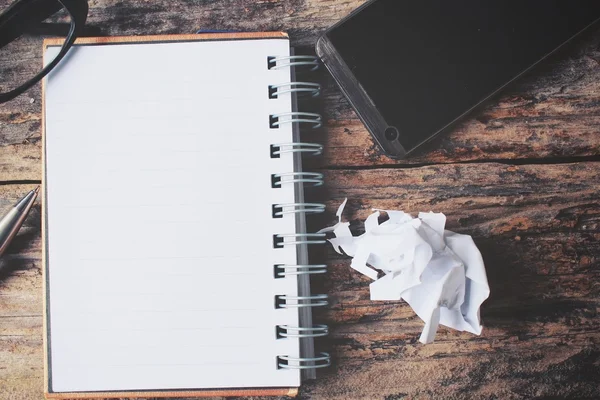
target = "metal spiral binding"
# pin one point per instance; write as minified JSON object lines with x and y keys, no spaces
{"x":312,"y":148}
{"x":321,"y":361}
{"x":281,"y":271}
{"x":294,"y":61}
{"x":317,"y":300}
{"x":314,"y":89}
{"x":296,"y":117}
{"x":301,"y":302}
{"x":316,"y":179}
{"x":297,"y":332}
{"x":279,"y":210}
{"x":299,"y":238}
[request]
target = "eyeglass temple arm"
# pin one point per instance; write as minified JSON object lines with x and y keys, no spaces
{"x":23,"y":14}
{"x":28,"y":16}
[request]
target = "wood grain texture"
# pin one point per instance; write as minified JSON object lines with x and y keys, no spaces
{"x":521,"y":176}
{"x":538,"y":118}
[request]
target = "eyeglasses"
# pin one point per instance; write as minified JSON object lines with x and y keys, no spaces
{"x":26,"y":17}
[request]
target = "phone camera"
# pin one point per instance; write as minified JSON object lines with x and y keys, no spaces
{"x":391,"y":133}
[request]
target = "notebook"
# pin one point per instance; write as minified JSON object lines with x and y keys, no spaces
{"x":174,"y":234}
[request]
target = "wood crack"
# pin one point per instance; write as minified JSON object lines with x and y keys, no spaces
{"x":516,"y":162}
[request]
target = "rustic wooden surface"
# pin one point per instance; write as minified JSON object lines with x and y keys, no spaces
{"x":521,"y":176}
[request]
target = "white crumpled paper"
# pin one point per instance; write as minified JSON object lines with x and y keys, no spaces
{"x":439,"y":273}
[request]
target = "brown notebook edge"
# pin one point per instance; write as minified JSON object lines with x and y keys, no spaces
{"x":292,"y":392}
{"x":169,"y":38}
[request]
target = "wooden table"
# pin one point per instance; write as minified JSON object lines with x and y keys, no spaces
{"x":521,"y":177}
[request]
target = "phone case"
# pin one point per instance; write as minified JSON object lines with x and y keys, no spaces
{"x":354,"y":92}
{"x":385,"y":135}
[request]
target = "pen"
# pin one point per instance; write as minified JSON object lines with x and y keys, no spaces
{"x":12,"y":221}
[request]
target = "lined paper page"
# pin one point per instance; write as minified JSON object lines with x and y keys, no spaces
{"x":159,"y":224}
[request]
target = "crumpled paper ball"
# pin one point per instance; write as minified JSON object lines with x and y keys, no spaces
{"x":439,"y":273}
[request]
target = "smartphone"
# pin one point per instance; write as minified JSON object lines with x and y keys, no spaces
{"x":412,"y":68}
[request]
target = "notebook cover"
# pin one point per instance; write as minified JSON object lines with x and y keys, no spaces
{"x":136,"y":394}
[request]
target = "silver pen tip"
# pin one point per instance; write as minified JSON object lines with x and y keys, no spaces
{"x":37,"y":189}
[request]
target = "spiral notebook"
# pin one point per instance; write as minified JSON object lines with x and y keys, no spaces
{"x":174,"y":233}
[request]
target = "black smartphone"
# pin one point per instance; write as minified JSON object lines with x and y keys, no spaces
{"x":412,"y":68}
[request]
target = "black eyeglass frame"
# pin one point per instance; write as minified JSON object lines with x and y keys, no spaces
{"x":24,"y":16}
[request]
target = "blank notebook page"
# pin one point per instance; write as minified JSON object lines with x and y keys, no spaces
{"x":159,"y":217}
